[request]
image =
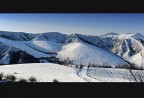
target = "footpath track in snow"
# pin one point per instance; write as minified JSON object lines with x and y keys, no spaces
{"x":82,"y":73}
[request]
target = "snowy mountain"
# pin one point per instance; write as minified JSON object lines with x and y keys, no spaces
{"x":127,"y":46}
{"x":112,"y":49}
{"x":84,"y":53}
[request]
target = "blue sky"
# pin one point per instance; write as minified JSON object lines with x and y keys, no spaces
{"x":83,"y":23}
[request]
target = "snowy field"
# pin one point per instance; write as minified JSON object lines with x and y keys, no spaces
{"x":47,"y":72}
{"x":44,"y":72}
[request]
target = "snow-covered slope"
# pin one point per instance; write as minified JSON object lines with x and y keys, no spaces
{"x":45,"y":46}
{"x":44,"y":72}
{"x":83,"y":53}
{"x":33,"y":47}
{"x":20,"y":45}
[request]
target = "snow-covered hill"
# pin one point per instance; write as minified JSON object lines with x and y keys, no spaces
{"x":84,"y":53}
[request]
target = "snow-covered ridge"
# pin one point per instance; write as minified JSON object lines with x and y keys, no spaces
{"x":110,"y":34}
{"x":19,"y":36}
{"x":52,"y":36}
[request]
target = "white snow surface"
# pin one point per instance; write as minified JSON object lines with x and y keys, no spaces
{"x":44,"y":72}
{"x":83,"y":53}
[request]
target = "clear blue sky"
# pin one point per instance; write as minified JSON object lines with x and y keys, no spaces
{"x":88,"y":23}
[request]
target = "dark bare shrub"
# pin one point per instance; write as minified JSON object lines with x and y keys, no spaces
{"x":22,"y":80}
{"x":1,"y":76}
{"x":32,"y":79}
{"x":10,"y":78}
{"x":55,"y":80}
{"x":81,"y":66}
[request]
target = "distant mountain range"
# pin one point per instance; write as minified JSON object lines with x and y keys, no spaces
{"x":110,"y":49}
